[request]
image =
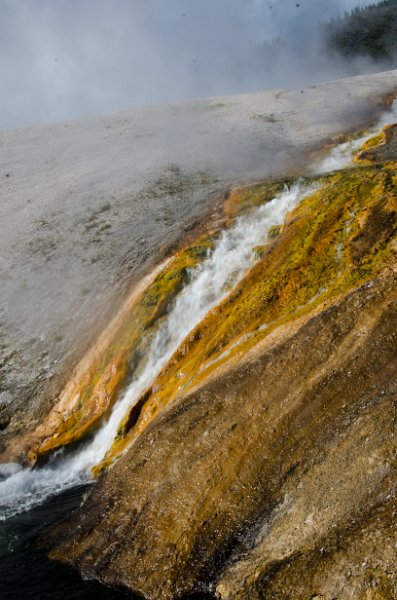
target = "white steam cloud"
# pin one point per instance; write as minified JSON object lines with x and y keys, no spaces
{"x":63,"y":59}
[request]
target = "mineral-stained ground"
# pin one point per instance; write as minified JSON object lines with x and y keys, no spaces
{"x":87,"y":208}
{"x":272,"y":475}
{"x":261,"y":463}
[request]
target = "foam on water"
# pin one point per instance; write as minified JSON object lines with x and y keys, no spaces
{"x":21,"y":489}
{"x":341,"y":156}
{"x":209,"y":283}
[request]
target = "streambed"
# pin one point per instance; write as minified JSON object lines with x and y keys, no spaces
{"x":209,"y":283}
{"x":27,"y":488}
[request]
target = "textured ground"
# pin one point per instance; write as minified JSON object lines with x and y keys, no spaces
{"x":276,"y":480}
{"x":275,"y":476}
{"x":87,"y":207}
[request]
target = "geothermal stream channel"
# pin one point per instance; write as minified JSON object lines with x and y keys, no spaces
{"x":22,"y":489}
{"x":209,"y":282}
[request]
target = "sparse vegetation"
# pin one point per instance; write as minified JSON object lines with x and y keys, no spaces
{"x":42,"y":246}
{"x":176,"y":182}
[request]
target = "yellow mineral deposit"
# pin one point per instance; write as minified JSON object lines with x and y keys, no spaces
{"x":336,"y":239}
{"x":339,"y":236}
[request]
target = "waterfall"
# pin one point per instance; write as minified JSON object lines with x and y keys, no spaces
{"x":208,"y":283}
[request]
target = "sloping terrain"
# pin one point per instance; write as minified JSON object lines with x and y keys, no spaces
{"x":280,"y":475}
{"x":88,"y":208}
{"x":261,"y":463}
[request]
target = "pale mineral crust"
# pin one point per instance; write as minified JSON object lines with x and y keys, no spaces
{"x":275,"y":476}
{"x":275,"y":480}
{"x":89,"y":207}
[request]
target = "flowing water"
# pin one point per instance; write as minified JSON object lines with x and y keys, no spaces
{"x":342,"y":155}
{"x":22,"y":489}
{"x":30,"y":499}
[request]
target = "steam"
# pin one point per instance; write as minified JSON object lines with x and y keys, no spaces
{"x":70,"y":58}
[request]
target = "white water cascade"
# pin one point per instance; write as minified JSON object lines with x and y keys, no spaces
{"x":21,"y":489}
{"x":341,"y":156}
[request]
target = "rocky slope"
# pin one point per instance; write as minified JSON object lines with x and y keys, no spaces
{"x":261,"y":463}
{"x":89,"y":208}
{"x":276,"y":480}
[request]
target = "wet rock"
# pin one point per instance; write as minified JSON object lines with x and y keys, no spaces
{"x":86,"y":211}
{"x":274,"y":474}
{"x":275,"y":479}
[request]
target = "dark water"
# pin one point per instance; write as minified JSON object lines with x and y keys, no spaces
{"x":26,"y":573}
